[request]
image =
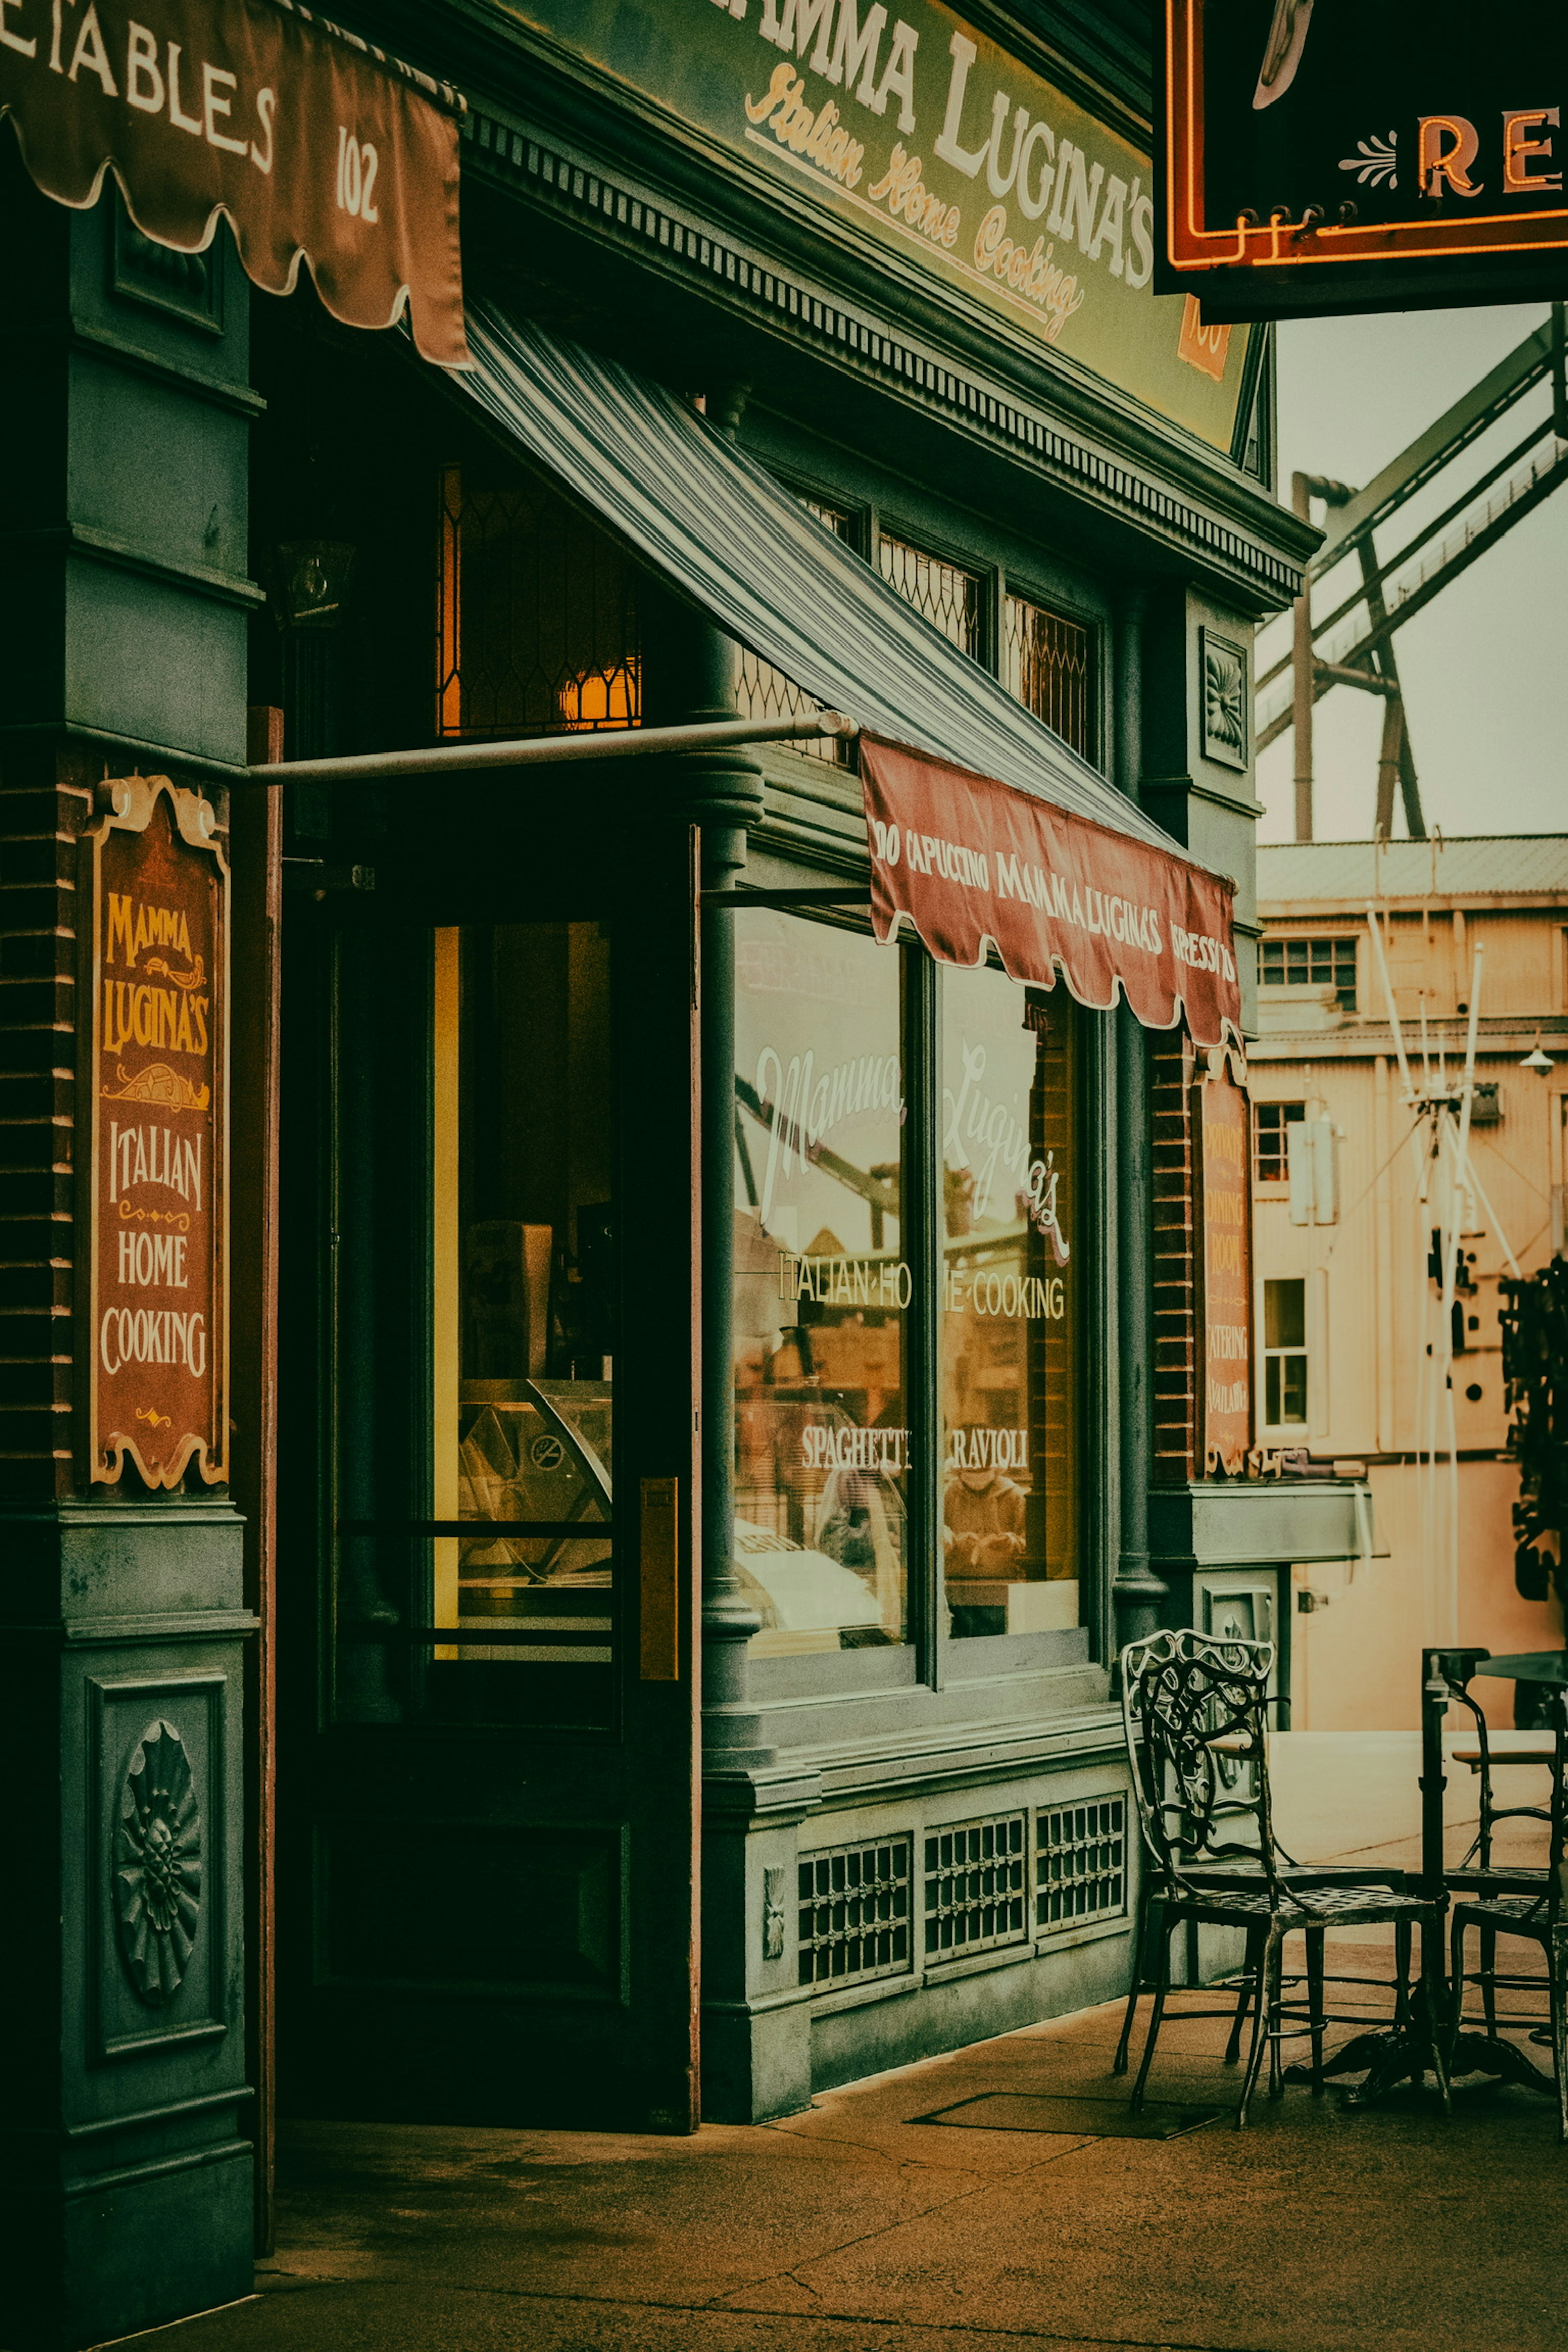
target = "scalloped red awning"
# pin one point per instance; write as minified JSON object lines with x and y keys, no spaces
{"x":315,"y":145}
{"x":966,"y":860}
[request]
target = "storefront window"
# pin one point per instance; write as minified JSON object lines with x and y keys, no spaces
{"x":822,"y":1441}
{"x":1010,"y":1321}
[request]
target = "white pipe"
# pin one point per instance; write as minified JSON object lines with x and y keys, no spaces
{"x":1458,"y":1157}
{"x":1462,"y":1152}
{"x":1382,"y":961}
{"x":1480,"y":1192}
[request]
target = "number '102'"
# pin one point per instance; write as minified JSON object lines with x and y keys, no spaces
{"x":357,"y":167}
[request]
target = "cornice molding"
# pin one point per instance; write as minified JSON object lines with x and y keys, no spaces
{"x":606,"y":205}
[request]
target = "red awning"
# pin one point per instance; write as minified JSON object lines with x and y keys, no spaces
{"x":969,"y":862}
{"x":315,"y":145}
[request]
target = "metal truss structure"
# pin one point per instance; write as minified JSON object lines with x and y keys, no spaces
{"x":1352,"y":643}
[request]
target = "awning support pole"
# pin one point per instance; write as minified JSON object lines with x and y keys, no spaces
{"x":553,"y":751}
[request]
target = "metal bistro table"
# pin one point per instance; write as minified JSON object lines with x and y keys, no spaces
{"x":1394,"y":2055}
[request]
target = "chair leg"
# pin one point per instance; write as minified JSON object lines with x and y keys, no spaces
{"x":1265,"y":2016}
{"x":1432,"y":1989}
{"x":1488,"y":1983}
{"x":1139,"y":1939}
{"x":1243,"y":1999}
{"x":1557,"y":1961}
{"x":1455,"y":2021}
{"x":1401,"y":1975}
{"x":1315,"y":1941}
{"x":1161,"y":1987}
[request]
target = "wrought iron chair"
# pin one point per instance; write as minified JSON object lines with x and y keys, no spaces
{"x":1194,"y":1713}
{"x":1479,"y":1874}
{"x":1527,"y":1903}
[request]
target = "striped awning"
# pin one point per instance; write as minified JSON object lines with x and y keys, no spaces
{"x":1149,"y":922}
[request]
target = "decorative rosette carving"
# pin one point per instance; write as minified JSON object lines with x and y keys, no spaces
{"x":158,"y":1864}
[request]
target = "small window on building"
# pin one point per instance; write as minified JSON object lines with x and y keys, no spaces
{"x":764,"y":692}
{"x":1315,"y":963}
{"x":949,"y":597}
{"x":1285,"y":1354}
{"x":1271,"y":1140}
{"x":1047,"y":661}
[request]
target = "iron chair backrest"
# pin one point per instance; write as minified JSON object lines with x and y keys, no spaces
{"x":1194,"y":1710}
{"x":1552,"y":1902}
{"x":1555,"y":1812}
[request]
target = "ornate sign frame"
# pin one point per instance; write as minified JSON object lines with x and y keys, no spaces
{"x":157,"y":1045}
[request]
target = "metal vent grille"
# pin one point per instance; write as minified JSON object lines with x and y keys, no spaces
{"x":975,"y":1891}
{"x":1080,"y":1862}
{"x":855,"y":1913}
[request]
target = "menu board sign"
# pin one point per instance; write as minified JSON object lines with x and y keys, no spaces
{"x":158,"y":1117}
{"x":1224,"y":1275}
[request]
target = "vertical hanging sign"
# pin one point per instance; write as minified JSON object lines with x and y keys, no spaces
{"x":157,"y":1087}
{"x":1222,"y":1133}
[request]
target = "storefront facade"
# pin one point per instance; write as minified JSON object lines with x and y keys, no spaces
{"x":711,"y":1333}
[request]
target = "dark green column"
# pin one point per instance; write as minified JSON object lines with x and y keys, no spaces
{"x":690,"y":667}
{"x":125,"y":2165}
{"x":1136,"y":1591}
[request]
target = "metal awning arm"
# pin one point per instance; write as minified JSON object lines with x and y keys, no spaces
{"x":551,"y":751}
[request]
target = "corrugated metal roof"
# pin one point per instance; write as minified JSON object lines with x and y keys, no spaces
{"x":716,"y":524}
{"x":1478,"y":864}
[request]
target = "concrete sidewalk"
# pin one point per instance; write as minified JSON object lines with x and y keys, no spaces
{"x":861,"y":2225}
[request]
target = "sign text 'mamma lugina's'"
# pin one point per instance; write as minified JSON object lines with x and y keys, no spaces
{"x":934,"y":147}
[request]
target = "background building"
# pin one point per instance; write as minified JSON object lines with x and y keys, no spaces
{"x":1348,"y":1292}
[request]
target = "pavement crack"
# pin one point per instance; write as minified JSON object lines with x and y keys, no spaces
{"x":861,"y":2238}
{"x":869,"y":2147}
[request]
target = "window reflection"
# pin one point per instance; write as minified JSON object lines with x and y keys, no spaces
{"x":821,"y":1285}
{"x":1010,"y":1314}
{"x":522,"y":1226}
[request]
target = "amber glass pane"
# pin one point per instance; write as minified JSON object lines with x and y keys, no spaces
{"x":536,"y":614}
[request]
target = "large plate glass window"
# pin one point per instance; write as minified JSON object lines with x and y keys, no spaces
{"x":1012,"y":1273}
{"x":822,"y":1441}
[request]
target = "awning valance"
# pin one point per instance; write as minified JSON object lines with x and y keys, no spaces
{"x":968,"y":861}
{"x":953,"y":743}
{"x":315,"y":145}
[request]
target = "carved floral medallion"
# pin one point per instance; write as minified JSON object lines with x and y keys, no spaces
{"x":158,"y":1864}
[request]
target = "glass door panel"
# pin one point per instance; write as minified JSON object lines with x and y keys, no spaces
{"x":476,"y":1568}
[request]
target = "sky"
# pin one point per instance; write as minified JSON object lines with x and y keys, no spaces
{"x":1485,"y":666}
